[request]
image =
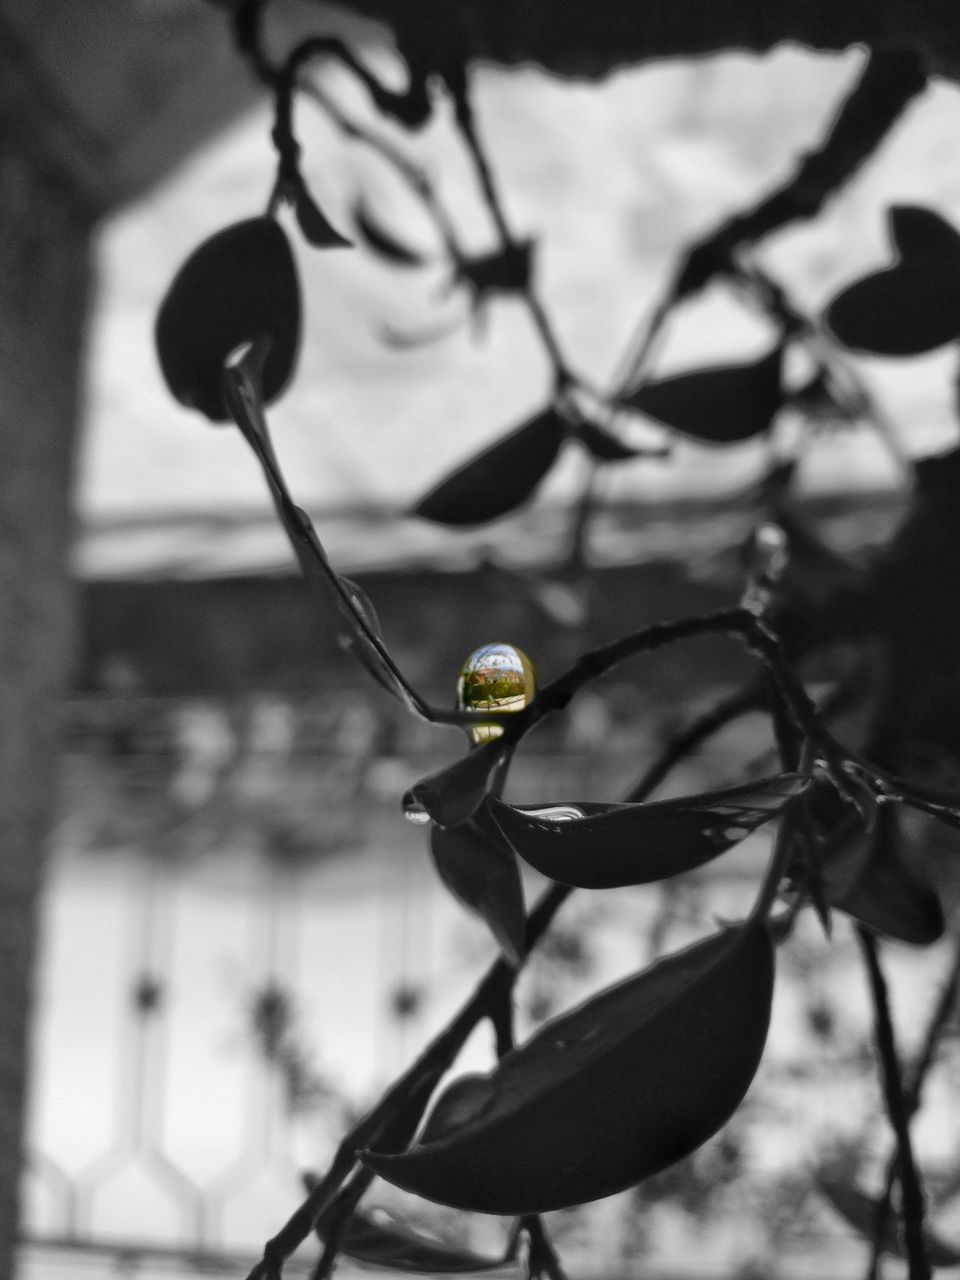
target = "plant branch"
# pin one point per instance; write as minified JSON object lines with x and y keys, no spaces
{"x":898,"y":1111}
{"x":890,"y":79}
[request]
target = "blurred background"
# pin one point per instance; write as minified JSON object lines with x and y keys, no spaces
{"x":242,"y":940}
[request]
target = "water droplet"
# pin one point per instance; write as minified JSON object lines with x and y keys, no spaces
{"x":496,"y":677}
{"x":557,"y":813}
{"x":414,"y":811}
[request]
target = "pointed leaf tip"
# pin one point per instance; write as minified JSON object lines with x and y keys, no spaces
{"x":239,"y":286}
{"x":606,"y":1095}
{"x":480,"y":870}
{"x":721,"y":405}
{"x":498,"y":479}
{"x":607,"y":846}
{"x":382,"y":242}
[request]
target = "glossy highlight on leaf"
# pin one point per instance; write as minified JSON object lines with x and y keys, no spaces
{"x":500,"y":478}
{"x":611,"y":845}
{"x":480,"y":870}
{"x":625,"y":1084}
{"x":860,"y":1211}
{"x":239,"y":286}
{"x":383,"y":243}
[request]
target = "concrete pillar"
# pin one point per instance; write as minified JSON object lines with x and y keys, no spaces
{"x":44,"y":293}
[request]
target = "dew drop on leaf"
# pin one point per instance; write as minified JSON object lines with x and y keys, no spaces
{"x":496,"y":677}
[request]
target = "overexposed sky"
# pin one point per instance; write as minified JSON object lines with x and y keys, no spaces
{"x":614,"y":179}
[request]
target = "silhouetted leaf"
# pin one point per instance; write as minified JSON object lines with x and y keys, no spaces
{"x":718,"y":405}
{"x":605,"y":446}
{"x":860,"y":1211}
{"x":919,"y":233}
{"x":239,"y":286}
{"x":508,"y":270}
{"x":455,"y":793}
{"x":498,"y":479}
{"x":383,"y":243}
{"x":607,"y":1094}
{"x":316,"y":227}
{"x":480,"y":870}
{"x":866,"y":878}
{"x":903,"y":311}
{"x":602,"y":847}
{"x":354,"y":639}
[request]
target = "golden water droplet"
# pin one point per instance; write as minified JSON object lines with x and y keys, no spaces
{"x":497,"y":677}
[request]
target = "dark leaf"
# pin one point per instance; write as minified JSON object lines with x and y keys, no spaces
{"x":384,"y":244}
{"x":498,"y":479}
{"x":902,"y":311}
{"x":920,"y":233}
{"x":866,"y":877}
{"x":604,"y":846}
{"x":860,"y":1211}
{"x":605,"y":446}
{"x":611,"y":1092}
{"x":316,"y":227}
{"x":719,"y":405}
{"x":506,"y":271}
{"x":480,"y":870}
{"x":455,"y":793}
{"x":240,"y":286}
{"x":355,"y":640}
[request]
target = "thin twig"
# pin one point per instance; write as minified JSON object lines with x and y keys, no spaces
{"x":897,"y":1110}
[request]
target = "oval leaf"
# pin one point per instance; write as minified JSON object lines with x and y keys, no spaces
{"x":602,"y":847}
{"x":903,"y":311}
{"x":866,"y":878}
{"x":860,"y":1211}
{"x":384,"y":244}
{"x":498,"y":479}
{"x":480,"y":870}
{"x":240,"y":286}
{"x":454,"y":794}
{"x":920,"y":233}
{"x":611,"y":1092}
{"x":719,"y":405}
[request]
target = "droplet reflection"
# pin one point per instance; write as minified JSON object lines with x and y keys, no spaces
{"x":496,"y":677}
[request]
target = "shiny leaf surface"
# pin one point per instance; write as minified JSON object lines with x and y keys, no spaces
{"x":719,"y":405}
{"x":604,"y":846}
{"x":611,"y":1092}
{"x":480,"y":870}
{"x":239,"y":286}
{"x":498,"y":479}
